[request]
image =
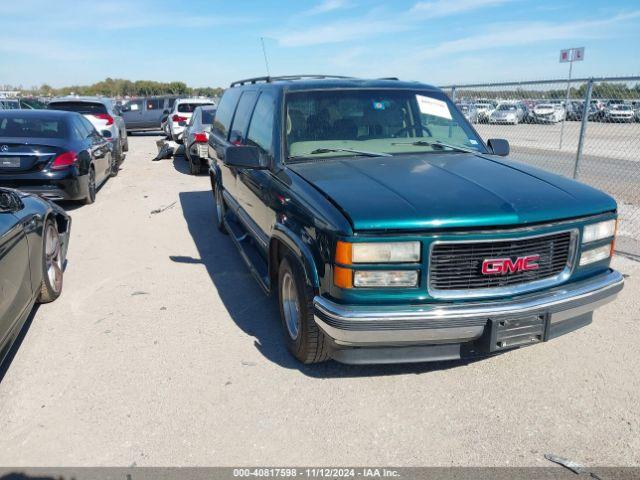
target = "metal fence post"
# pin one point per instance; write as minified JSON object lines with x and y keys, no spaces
{"x":453,"y":94}
{"x":583,"y":127}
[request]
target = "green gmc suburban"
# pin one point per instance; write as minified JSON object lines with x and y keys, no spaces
{"x":392,"y":232}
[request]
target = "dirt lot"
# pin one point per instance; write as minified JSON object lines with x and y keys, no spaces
{"x":163,"y":351}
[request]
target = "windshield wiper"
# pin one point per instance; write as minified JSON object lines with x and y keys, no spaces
{"x":438,"y":143}
{"x":318,"y":151}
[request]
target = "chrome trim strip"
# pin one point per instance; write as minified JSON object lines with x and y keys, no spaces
{"x":512,"y":289}
{"x":344,"y":323}
{"x":26,"y":154}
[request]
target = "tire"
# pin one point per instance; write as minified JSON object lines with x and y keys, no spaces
{"x":125,"y":145}
{"x":115,"y":168}
{"x":91,"y":187}
{"x":304,"y":339}
{"x":220,"y":209}
{"x":52,"y":264}
{"x":194,"y":167}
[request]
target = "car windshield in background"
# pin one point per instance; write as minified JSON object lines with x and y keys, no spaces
{"x":207,"y":116}
{"x":10,"y":104}
{"x":506,"y":107}
{"x":32,"y":127}
{"x":190,"y":107}
{"x":85,"y":108}
{"x":375,"y":121}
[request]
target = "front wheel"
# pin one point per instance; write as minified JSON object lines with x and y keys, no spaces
{"x":304,"y":339}
{"x":52,"y":264}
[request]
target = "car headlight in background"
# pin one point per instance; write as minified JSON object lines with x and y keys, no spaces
{"x":379,"y":252}
{"x":599,"y":231}
{"x":385,"y":278}
{"x":596,"y":254}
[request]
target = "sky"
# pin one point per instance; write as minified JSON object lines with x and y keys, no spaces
{"x":213,"y":42}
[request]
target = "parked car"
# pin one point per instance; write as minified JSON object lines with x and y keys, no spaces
{"x":485,"y":109}
{"x":619,"y":112}
{"x":146,"y":113}
{"x":102,"y":114}
{"x":9,"y":104}
{"x":391,"y":232}
{"x":636,"y":108}
{"x":575,"y":110}
{"x":469,"y":111}
{"x":548,"y":113}
{"x":507,"y":112}
{"x":196,"y":137}
{"x":34,"y":236}
{"x":55,"y":154}
{"x":180,"y":114}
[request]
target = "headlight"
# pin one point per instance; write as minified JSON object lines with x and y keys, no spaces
{"x":379,"y":252}
{"x":599,"y":231}
{"x":385,"y":278}
{"x":595,"y":254}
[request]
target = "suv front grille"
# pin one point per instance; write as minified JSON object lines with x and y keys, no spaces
{"x":457,"y":266}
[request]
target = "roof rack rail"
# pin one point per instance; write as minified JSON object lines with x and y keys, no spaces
{"x":282,"y":77}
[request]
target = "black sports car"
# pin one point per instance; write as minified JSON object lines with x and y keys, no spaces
{"x":34,"y":236}
{"x":58,"y":155}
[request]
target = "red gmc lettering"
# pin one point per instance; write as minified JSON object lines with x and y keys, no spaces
{"x":502,"y":266}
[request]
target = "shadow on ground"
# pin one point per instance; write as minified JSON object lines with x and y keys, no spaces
{"x":254,"y":312}
{"x":11,"y":353}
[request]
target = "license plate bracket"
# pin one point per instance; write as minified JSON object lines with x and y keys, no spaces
{"x":518,"y":331}
{"x":9,"y":162}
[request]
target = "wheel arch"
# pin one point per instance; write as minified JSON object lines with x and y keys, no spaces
{"x":282,"y":240}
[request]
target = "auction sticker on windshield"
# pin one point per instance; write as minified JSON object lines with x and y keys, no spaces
{"x":433,"y":106}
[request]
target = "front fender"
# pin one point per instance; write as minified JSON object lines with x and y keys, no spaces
{"x":300,"y":249}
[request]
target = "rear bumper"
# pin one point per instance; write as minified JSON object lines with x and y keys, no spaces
{"x":389,"y":334}
{"x":71,"y":188}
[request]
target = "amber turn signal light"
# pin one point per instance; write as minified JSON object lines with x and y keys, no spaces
{"x":342,"y":277}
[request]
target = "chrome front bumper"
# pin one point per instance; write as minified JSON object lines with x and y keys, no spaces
{"x":564,"y":309}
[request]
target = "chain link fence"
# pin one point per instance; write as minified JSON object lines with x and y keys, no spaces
{"x":587,"y":129}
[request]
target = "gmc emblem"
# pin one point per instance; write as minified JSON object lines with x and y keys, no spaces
{"x":502,"y":266}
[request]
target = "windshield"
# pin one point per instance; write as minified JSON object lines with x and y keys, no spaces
{"x":505,"y":107}
{"x":380,"y":121}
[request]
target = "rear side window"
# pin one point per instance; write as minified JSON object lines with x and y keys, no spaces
{"x":33,"y":127}
{"x":207,"y":116}
{"x":242,"y":117}
{"x":155,"y":104}
{"x":85,"y":108}
{"x":261,"y":128}
{"x":224,"y":113}
{"x":88,"y":126}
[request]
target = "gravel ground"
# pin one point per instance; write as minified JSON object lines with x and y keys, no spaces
{"x":163,"y":351}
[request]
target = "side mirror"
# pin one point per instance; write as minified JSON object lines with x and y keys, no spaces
{"x":244,"y":157}
{"x":166,"y":112}
{"x":106,"y":134}
{"x":499,"y":146}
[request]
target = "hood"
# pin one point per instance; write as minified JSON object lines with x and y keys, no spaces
{"x":450,"y":190}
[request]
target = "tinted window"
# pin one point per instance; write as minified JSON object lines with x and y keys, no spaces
{"x":80,"y":107}
{"x":224,"y":113}
{"x":190,"y":107}
{"x":261,"y":128}
{"x":79,"y":131}
{"x":242,"y":117}
{"x":33,"y":127}
{"x":207,"y":116}
{"x":155,"y":104}
{"x":88,"y":126}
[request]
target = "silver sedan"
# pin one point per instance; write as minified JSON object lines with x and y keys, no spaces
{"x":196,"y":137}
